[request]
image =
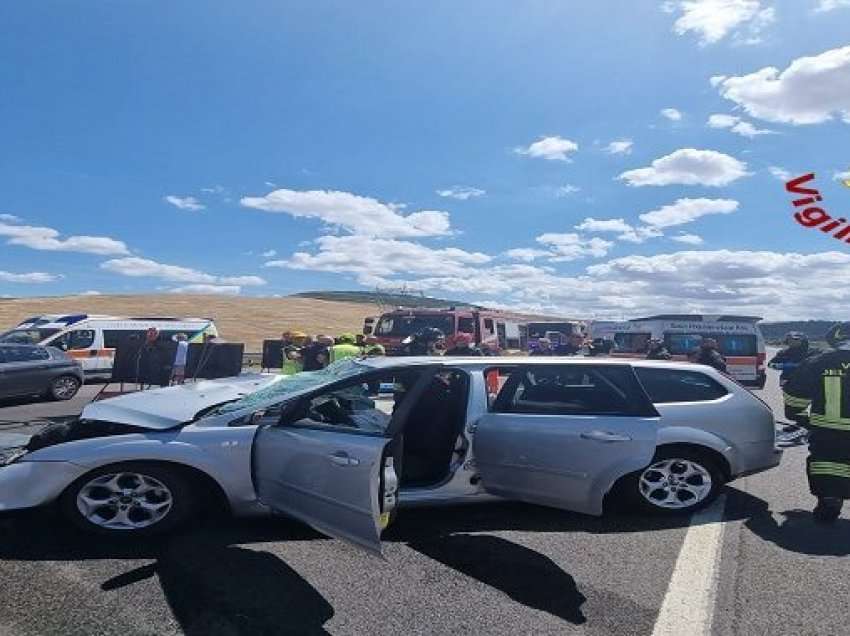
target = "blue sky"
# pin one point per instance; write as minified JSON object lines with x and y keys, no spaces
{"x":461,"y":148}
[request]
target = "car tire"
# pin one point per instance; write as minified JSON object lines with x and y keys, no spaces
{"x":130,"y":499}
{"x":63,"y":388}
{"x":679,"y":480}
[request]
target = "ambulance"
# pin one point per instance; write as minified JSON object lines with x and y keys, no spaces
{"x":92,"y":339}
{"x":739,"y":340}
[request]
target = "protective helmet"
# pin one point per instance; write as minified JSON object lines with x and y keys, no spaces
{"x":838,"y":334}
{"x":347,"y":338}
{"x":796,"y":336}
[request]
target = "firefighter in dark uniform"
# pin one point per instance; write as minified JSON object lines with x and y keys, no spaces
{"x":822,"y":382}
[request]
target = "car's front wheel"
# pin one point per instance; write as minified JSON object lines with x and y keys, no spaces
{"x":63,"y":388}
{"x":677,"y":481}
{"x":132,"y":498}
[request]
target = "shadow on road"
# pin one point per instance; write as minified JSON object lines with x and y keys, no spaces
{"x":798,"y":532}
{"x":524,"y":575}
{"x":217,"y":589}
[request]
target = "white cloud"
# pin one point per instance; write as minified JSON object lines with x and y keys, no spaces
{"x":29,"y":277}
{"x":216,"y":189}
{"x":143,"y":267}
{"x":779,"y":173}
{"x":462,"y":193}
{"x":736,"y":125}
{"x":571,"y":246}
{"x":269,"y":254}
{"x":671,"y":113}
{"x":90,"y":292}
{"x":368,"y":257}
{"x":47,"y":239}
{"x":625,"y":231}
{"x":356,"y":214}
{"x":831,"y":5}
{"x":185,"y":203}
{"x":688,"y":166}
{"x":812,"y":90}
{"x":843,"y":177}
{"x":219,"y":290}
{"x":620,"y":147}
{"x":690,"y":239}
{"x":552,"y":148}
{"x":687,"y":210}
{"x":713,"y":20}
{"x":526,"y":254}
{"x":566,"y":190}
{"x":10,"y":218}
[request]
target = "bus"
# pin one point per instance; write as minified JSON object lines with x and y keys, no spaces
{"x":494,"y":331}
{"x":92,"y":339}
{"x":739,"y":340}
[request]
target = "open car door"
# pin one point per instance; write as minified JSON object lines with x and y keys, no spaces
{"x":329,"y":461}
{"x":561,"y":435}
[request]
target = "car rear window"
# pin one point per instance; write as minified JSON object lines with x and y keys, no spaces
{"x":672,"y":385}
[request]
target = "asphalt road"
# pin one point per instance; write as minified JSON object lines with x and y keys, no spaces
{"x":495,"y":569}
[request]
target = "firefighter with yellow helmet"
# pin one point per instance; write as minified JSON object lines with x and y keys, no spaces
{"x":822,"y":385}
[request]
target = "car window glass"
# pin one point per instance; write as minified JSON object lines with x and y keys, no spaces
{"x":466,"y":325}
{"x":25,"y":354}
{"x":365,"y":404}
{"x":672,"y":385}
{"x":571,"y":390}
{"x":74,"y":340}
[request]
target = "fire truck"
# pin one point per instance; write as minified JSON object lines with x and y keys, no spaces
{"x":493,"y":331}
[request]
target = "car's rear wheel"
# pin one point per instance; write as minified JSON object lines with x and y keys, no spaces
{"x":63,"y":388}
{"x":679,"y":480}
{"x":129,"y":499}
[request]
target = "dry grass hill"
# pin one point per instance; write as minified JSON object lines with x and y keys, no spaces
{"x":239,"y":319}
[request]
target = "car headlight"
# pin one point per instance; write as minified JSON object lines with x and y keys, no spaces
{"x":11,"y":455}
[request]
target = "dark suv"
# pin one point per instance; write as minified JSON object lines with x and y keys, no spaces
{"x":33,"y":370}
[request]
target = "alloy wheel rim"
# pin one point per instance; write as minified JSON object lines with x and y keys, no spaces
{"x":64,"y":387}
{"x":124,"y":501}
{"x":675,"y":483}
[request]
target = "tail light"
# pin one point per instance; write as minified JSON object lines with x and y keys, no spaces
{"x":760,"y":361}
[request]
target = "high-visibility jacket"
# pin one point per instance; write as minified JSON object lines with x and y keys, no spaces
{"x":344,"y":350}
{"x":822,"y":385}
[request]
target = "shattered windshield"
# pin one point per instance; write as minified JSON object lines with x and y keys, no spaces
{"x":290,"y":385}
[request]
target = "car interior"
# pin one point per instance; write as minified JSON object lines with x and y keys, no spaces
{"x":432,"y":441}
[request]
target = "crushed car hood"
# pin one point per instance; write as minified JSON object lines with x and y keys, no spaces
{"x":161,"y":409}
{"x":13,"y":440}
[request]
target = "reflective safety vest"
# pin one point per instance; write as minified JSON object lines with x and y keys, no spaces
{"x":822,"y":383}
{"x":343,"y":351}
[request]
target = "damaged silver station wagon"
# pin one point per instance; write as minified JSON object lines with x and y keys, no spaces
{"x":340,"y":449}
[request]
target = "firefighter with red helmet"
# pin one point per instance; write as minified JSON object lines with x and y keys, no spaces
{"x":464,"y":346}
{"x":822,"y":385}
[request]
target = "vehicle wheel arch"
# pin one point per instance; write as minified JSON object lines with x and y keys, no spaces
{"x":712,"y":454}
{"x":698,"y":440}
{"x":212,"y":495}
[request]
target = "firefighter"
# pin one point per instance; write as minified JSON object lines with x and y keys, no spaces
{"x":346,"y":347}
{"x":822,"y":383}
{"x":788,"y":359}
{"x":657,"y":350}
{"x":430,"y":341}
{"x":709,"y":355}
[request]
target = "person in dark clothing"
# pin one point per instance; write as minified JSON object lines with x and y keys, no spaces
{"x":600,"y":347}
{"x":792,"y":356}
{"x":709,"y":355}
{"x":428,"y":342}
{"x":543,"y":348}
{"x":464,"y":346}
{"x":822,"y":385}
{"x":657,"y":350}
{"x":315,"y":354}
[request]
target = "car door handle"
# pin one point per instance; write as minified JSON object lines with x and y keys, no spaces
{"x":604,"y":436}
{"x":342,"y":458}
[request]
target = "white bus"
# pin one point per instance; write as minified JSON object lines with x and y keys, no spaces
{"x":92,"y":339}
{"x":739,"y":340}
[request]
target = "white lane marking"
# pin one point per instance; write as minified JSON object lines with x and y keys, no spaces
{"x":688,"y":606}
